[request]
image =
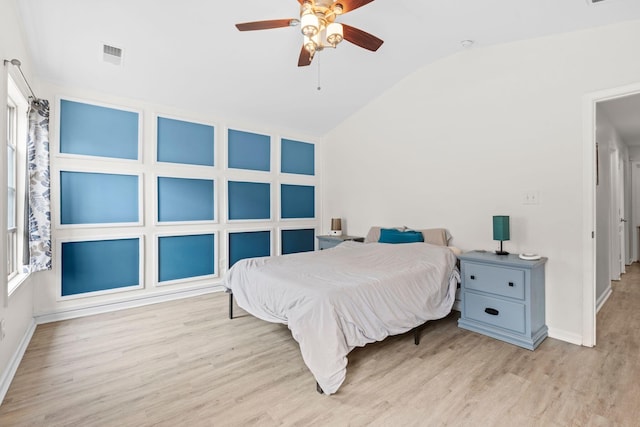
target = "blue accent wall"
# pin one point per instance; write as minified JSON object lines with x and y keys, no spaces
{"x":100,"y":265}
{"x":294,"y":241}
{"x":92,"y":130}
{"x":180,"y":257}
{"x":98,"y":198}
{"x":297,"y":201}
{"x":184,"y":199}
{"x":249,"y":200}
{"x":297,"y":157}
{"x":249,"y":150}
{"x":250,"y":244}
{"x":139,"y":190}
{"x":185,"y":142}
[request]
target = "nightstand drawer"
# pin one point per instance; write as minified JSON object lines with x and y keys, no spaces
{"x":507,"y":282}
{"x":494,"y":311}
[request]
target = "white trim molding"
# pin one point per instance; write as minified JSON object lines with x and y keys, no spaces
{"x":12,"y":367}
{"x":589,"y":208}
{"x":122,"y":305}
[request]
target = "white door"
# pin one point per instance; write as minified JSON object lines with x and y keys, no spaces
{"x":615,"y":244}
{"x":622,"y":221}
{"x":635,"y":210}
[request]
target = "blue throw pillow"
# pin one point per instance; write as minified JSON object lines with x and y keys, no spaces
{"x":391,"y":235}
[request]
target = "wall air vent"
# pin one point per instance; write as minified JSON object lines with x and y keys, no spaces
{"x":111,"y":54}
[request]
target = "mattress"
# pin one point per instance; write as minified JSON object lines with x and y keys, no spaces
{"x":345,"y":297}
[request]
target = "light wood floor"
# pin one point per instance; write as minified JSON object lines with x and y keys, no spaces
{"x":184,"y":363}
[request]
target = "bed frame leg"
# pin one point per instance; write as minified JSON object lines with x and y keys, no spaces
{"x":230,"y":304}
{"x":417,"y":332}
{"x":318,"y":388}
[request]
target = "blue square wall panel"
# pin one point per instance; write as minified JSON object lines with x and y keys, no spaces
{"x":181,"y":257}
{"x":294,"y":241}
{"x":100,"y":265}
{"x":297,"y":157}
{"x":93,"y":130}
{"x":185,"y":142}
{"x":185,"y":199}
{"x":98,"y":198}
{"x":249,"y":244}
{"x":248,"y":150}
{"x":297,"y":201}
{"x":249,"y":200}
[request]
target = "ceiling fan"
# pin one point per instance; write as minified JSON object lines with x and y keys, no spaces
{"x":319,"y":27}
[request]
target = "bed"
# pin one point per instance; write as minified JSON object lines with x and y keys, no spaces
{"x":345,"y":297}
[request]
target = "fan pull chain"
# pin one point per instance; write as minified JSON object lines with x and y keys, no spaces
{"x":318,"y":61}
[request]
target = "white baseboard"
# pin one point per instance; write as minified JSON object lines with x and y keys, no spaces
{"x":566,"y":336}
{"x":10,"y":372}
{"x":131,"y":303}
{"x":603,"y":298}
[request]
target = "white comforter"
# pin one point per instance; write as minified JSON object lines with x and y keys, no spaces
{"x":348,"y":296}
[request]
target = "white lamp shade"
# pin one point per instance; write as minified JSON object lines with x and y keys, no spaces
{"x":310,"y":44}
{"x":334,"y":33}
{"x":309,"y":24}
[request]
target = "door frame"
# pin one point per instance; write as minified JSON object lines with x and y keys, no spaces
{"x":617,"y":245}
{"x":635,"y":211}
{"x":589,"y":177}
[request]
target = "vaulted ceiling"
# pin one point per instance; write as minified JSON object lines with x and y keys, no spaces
{"x":189,"y":55}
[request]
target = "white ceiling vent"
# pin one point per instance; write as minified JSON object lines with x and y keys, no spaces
{"x":112,"y":54}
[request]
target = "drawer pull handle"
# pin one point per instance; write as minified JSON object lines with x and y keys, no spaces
{"x":511,"y":284}
{"x":491,"y":311}
{"x":473,"y":277}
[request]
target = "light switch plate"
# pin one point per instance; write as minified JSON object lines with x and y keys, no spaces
{"x":531,"y":198}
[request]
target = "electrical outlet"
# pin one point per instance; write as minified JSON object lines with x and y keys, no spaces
{"x":2,"y":330}
{"x":531,"y":198}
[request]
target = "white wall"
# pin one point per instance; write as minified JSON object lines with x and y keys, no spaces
{"x":462,"y":139}
{"x":634,"y":153}
{"x":17,"y":311}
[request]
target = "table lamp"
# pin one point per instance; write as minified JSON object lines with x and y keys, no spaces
{"x":501,"y":231}
{"x":336,"y":226}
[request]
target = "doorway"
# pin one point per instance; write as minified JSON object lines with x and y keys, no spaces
{"x":607,"y":239}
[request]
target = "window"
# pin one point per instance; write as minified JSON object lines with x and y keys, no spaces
{"x":16,"y":162}
{"x":12,"y":240}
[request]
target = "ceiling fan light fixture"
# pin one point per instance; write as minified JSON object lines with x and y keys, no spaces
{"x":334,"y":33}
{"x":310,"y":44}
{"x":309,"y":24}
{"x":319,"y":27}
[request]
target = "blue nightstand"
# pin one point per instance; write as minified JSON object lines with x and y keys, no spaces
{"x":503,"y":297}
{"x":327,"y":242}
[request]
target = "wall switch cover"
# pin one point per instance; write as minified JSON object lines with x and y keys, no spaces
{"x":531,"y":198}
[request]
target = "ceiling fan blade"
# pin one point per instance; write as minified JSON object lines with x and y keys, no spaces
{"x":305,"y":58}
{"x":265,"y":25}
{"x":349,"y":5}
{"x":361,"y":38}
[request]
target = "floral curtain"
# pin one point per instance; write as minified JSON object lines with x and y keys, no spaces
{"x":39,"y":206}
